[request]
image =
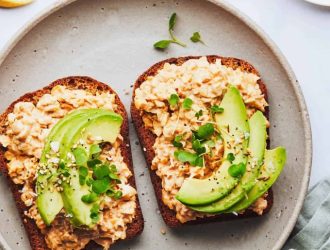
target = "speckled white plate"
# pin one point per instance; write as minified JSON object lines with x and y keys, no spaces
{"x":112,"y":42}
{"x":320,"y":2}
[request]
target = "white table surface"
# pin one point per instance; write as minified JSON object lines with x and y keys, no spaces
{"x":301,"y":30}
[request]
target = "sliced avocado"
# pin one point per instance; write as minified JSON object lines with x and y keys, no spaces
{"x":49,"y":201}
{"x":257,"y":146}
{"x":108,"y":127}
{"x":273,"y":165}
{"x":87,"y":126}
{"x":80,"y":212}
{"x":233,"y":126}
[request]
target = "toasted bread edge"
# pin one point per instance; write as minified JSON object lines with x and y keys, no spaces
{"x":35,"y":236}
{"x":147,"y":139}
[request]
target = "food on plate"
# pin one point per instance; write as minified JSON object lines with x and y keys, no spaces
{"x":66,"y":154}
{"x":203,"y":125}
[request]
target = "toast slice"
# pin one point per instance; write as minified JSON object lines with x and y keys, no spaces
{"x":147,"y":139}
{"x":36,"y":238}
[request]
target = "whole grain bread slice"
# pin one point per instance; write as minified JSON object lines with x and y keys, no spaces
{"x":36,"y":238}
{"x":147,"y":139}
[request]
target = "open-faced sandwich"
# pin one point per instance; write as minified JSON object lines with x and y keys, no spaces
{"x":66,"y":153}
{"x":202,"y":123}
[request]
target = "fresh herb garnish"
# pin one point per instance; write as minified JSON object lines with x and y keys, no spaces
{"x":199,"y":114}
{"x":199,"y":162}
{"x":197,"y":146}
{"x":92,"y":163}
{"x":216,"y":109}
{"x":187,"y":102}
{"x":205,"y":131}
{"x":83,"y":172}
{"x":237,"y":170}
{"x":176,"y":142}
{"x":230,"y":157}
{"x":94,"y":151}
{"x":118,"y":194}
{"x":114,"y":176}
{"x":100,"y":186}
{"x":163,"y":44}
{"x":101,"y":171}
{"x":173,"y":100}
{"x":95,"y":213}
{"x":80,"y":156}
{"x":196,"y":37}
{"x":185,"y":156}
{"x":89,"y":198}
{"x":89,"y":181}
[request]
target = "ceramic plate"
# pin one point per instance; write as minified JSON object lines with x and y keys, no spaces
{"x":320,"y":2}
{"x":112,"y":42}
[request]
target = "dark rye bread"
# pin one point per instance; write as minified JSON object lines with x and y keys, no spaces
{"x":37,"y":240}
{"x":147,"y":139}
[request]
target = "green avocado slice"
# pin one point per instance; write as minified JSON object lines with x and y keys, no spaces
{"x":107,"y":127}
{"x":233,"y":126}
{"x":273,"y":165}
{"x":49,"y":201}
{"x":257,"y":146}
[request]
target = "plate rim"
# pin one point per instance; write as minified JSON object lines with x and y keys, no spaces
{"x":319,"y":3}
{"x":44,"y":13}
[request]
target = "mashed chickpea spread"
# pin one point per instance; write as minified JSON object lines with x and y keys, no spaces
{"x":204,"y":84}
{"x":26,"y":130}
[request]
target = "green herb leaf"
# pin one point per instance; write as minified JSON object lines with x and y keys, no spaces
{"x":171,"y":25}
{"x":93,"y":163}
{"x":80,"y":156}
{"x":89,"y":198}
{"x":100,"y":186}
{"x":94,"y":150}
{"x":205,"y":131}
{"x":101,"y":171}
{"x":89,"y":181}
{"x":197,"y":146}
{"x":199,"y":114}
{"x":118,"y":194}
{"x":216,"y":109}
{"x":173,"y":100}
{"x":61,"y":165}
{"x":199,"y":162}
{"x":237,"y":170}
{"x":230,"y":157}
{"x":196,"y":37}
{"x":186,"y":104}
{"x":113,"y":168}
{"x":83,"y":172}
{"x":95,"y":213}
{"x":172,"y":21}
{"x":185,"y":156}
{"x":162,"y":44}
{"x":66,"y":173}
{"x":114,"y":176}
{"x":176,"y":142}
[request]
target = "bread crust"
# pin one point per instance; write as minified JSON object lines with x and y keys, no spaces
{"x":37,"y":240}
{"x":147,"y":139}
